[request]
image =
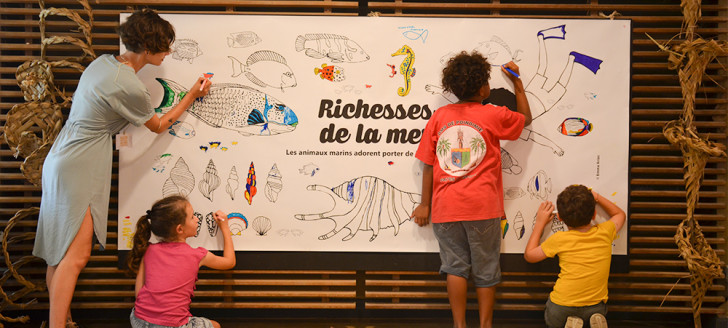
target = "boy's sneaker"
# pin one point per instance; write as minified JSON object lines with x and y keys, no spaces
{"x":597,"y":320}
{"x":574,"y":322}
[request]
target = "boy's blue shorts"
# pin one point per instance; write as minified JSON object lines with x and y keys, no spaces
{"x":471,"y":248}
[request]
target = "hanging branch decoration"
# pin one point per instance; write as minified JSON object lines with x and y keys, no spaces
{"x":690,"y":58}
{"x":36,"y":81}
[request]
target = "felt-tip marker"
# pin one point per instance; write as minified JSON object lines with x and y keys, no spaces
{"x":511,"y":71}
{"x":207,"y":76}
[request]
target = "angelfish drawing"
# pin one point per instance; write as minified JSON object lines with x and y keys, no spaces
{"x":575,"y":127}
{"x":336,"y":47}
{"x":364,"y":203}
{"x":265,"y":68}
{"x":540,"y":185}
{"x":235,"y":107}
{"x":250,"y":182}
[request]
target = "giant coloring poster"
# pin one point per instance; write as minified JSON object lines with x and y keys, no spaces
{"x":307,"y":136}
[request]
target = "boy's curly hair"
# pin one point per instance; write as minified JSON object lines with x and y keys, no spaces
{"x":465,"y":74}
{"x":145,"y":30}
{"x":576,"y":206}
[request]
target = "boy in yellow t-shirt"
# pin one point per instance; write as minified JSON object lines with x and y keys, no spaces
{"x":585,"y":253}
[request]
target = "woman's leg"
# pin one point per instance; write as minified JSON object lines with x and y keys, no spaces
{"x":63,"y":277}
{"x":457,"y":293}
{"x":486,"y":301}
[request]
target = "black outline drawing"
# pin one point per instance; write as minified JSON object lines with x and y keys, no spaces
{"x":294,"y":232}
{"x":199,"y":223}
{"x":243,"y":39}
{"x":212,"y":227}
{"x":261,"y":225}
{"x":495,"y":49}
{"x":540,"y":185}
{"x":210,"y":181}
{"x":265,"y":68}
{"x":182,"y":130}
{"x":557,"y":225}
{"x":364,"y":203}
{"x":338,"y":48}
{"x":235,"y":107}
{"x":508,"y":163}
{"x":274,"y":184}
{"x":232,"y":183}
{"x":513,"y":193}
{"x":519,"y":229}
{"x":185,"y":49}
{"x":181,"y":180}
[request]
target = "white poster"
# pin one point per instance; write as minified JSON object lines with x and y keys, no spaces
{"x":307,"y":137}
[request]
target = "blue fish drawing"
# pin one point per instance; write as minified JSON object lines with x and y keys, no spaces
{"x":336,"y":47}
{"x":265,"y":68}
{"x":235,"y":107}
{"x":182,"y":130}
{"x":309,"y":169}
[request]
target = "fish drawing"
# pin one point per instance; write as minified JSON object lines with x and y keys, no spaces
{"x":513,"y":193}
{"x":574,"y":127}
{"x":235,"y":107}
{"x":309,"y":169}
{"x":250,"y":185}
{"x":265,"y":68}
{"x":336,"y":47}
{"x":274,"y":184}
{"x":497,"y":51}
{"x":364,"y":204}
{"x":182,"y":130}
{"x":243,"y":39}
{"x":540,"y":185}
{"x":330,"y":72}
{"x":518,"y":226}
{"x":185,"y":49}
{"x":508,"y":163}
{"x":161,"y":162}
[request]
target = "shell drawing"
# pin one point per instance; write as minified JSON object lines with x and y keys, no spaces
{"x":186,"y":49}
{"x":508,"y":163}
{"x":513,"y":193}
{"x":504,"y":226}
{"x":232,"y":183}
{"x":261,"y":225}
{"x":274,"y":184}
{"x":518,"y":226}
{"x":557,"y":225}
{"x":199,"y":223}
{"x":180,"y":181}
{"x":250,"y":184}
{"x":211,"y":224}
{"x":238,"y":223}
{"x":364,"y":203}
{"x":210,"y":181}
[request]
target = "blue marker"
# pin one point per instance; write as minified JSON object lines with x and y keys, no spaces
{"x":510,"y":71}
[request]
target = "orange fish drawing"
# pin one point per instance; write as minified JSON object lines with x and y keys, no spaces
{"x":331,"y":73}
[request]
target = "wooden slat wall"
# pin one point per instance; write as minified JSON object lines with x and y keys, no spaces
{"x":657,"y":199}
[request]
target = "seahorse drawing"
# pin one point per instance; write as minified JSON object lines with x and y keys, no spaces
{"x":364,"y":203}
{"x":407,"y":69}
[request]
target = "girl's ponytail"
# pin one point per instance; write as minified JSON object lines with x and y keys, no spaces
{"x":140,"y":242}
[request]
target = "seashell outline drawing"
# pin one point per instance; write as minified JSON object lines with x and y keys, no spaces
{"x":181,"y":181}
{"x":232,"y":183}
{"x":238,"y":223}
{"x":261,"y":225}
{"x":250,"y":185}
{"x":274,"y":184}
{"x":210,"y":181}
{"x":518,"y":226}
{"x":211,"y":224}
{"x":199,"y":223}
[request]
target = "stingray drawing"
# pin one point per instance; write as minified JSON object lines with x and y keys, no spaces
{"x":365,"y":203}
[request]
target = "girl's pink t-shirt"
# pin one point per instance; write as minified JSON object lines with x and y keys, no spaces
{"x":462,"y":143}
{"x":170,"y":271}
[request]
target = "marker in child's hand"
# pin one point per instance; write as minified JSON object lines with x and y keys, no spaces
{"x":207,"y":76}
{"x":511,"y":71}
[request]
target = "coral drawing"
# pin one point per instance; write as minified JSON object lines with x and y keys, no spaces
{"x":364,"y":203}
{"x":250,"y":184}
{"x":232,"y":183}
{"x":180,"y":181}
{"x":274,"y":184}
{"x":261,"y":225}
{"x":336,"y":47}
{"x":235,"y":107}
{"x":210,"y":181}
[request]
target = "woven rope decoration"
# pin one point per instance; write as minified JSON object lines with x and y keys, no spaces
{"x":22,"y":117}
{"x":691,"y":58}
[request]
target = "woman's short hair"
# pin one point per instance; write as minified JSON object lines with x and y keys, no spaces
{"x":145,"y":30}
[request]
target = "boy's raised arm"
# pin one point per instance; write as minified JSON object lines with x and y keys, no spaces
{"x":616,"y":214}
{"x":533,"y":252}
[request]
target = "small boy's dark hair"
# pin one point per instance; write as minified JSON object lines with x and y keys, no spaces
{"x":162,"y":220}
{"x":145,"y":30}
{"x":465,"y":74}
{"x":576,"y":205}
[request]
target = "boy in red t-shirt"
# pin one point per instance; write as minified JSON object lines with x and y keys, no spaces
{"x":462,"y":186}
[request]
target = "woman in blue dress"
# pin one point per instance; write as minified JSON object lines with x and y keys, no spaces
{"x":77,"y":172}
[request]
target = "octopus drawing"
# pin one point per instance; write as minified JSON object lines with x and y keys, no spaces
{"x":364,"y":203}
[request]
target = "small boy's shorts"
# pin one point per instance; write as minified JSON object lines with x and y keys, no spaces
{"x":194,"y":322}
{"x":471,"y":248}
